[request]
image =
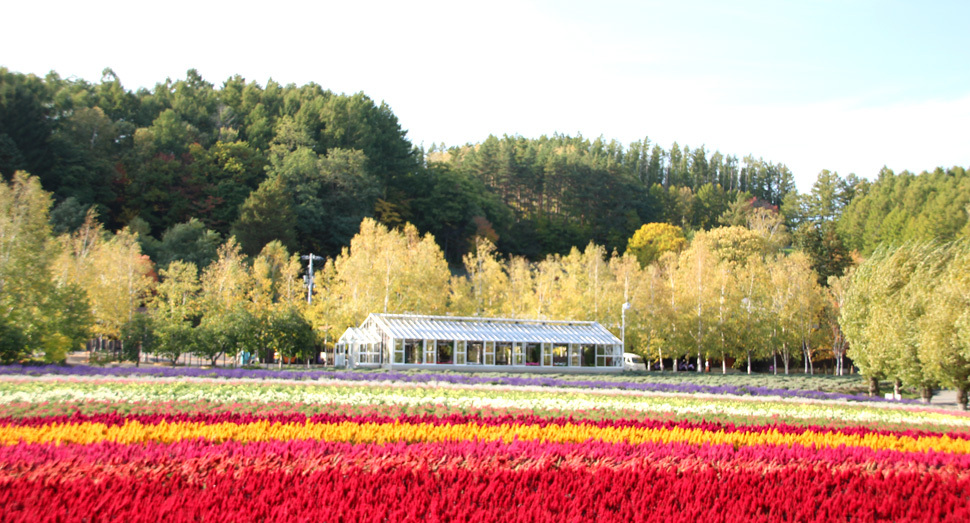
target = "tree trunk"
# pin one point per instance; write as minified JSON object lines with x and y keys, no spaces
{"x":962,"y":395}
{"x":785,"y":357}
{"x":700,"y":366}
{"x":723,"y":364}
{"x":774,"y":359}
{"x":897,"y":383}
{"x":811,"y":364}
{"x":661,"y":353}
{"x":873,"y":386}
{"x":749,"y":361}
{"x":926,"y":392}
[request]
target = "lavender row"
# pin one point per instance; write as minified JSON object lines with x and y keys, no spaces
{"x":430,"y":377}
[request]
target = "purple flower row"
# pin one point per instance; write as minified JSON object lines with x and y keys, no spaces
{"x":426,"y":377}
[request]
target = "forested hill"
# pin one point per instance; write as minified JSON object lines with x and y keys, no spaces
{"x":907,"y":207}
{"x":186,"y":164}
{"x":566,"y":191}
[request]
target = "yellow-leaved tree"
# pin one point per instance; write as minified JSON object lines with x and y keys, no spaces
{"x":111,"y":270}
{"x":226,"y":285}
{"x":382,"y":271}
{"x":651,"y":240}
{"x":487,"y":281}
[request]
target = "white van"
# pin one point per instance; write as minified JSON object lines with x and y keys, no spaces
{"x":633,"y":362}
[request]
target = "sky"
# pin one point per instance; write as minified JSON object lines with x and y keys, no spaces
{"x":849,"y":86}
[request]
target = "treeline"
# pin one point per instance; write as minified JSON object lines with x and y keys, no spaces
{"x":906,"y":316}
{"x":903,"y":208}
{"x":566,"y":191}
{"x":303,"y":165}
{"x":730,"y":293}
{"x":59,"y":291}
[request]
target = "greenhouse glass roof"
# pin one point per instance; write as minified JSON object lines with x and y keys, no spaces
{"x":406,"y":326}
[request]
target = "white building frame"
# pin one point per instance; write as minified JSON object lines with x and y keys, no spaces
{"x":406,"y":341}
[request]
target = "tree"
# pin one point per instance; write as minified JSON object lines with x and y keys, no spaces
{"x":653,"y":239}
{"x":943,"y":288}
{"x":825,"y":248}
{"x":224,"y":333}
{"x":906,"y":207}
{"x":13,"y":343}
{"x":949,"y":324}
{"x":41,"y":315}
{"x":331,"y":193}
{"x":735,"y":245}
{"x":170,"y":134}
{"x":189,"y":242}
{"x":710,"y":202}
{"x":109,"y":270}
{"x":25,"y":125}
{"x":651,"y":311}
{"x":489,"y":282}
{"x":226,"y":284}
{"x":382,"y":271}
{"x":696,"y":282}
{"x":266,"y":215}
{"x":175,"y":311}
{"x":754,"y":307}
{"x":290,"y":335}
{"x":276,"y":286}
{"x":883,"y":312}
{"x":796,"y":303}
{"x":138,"y":337}
{"x":809,"y":306}
{"x":836,"y":291}
{"x":737,"y":211}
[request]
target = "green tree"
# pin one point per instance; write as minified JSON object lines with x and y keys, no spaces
{"x":42,"y":315}
{"x":897,"y":209}
{"x":138,"y":337}
{"x":175,"y":310}
{"x":883,"y":312}
{"x":290,"y":335}
{"x":188,"y":242}
{"x":266,"y":216}
{"x":224,"y":333}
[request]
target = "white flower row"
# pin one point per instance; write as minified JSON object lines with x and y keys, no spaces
{"x":467,"y":397}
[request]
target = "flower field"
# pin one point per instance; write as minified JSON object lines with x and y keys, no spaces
{"x":145,"y":448}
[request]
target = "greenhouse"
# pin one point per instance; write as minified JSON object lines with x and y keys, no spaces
{"x":402,"y":341}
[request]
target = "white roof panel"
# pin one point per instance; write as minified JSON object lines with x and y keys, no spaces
{"x":406,"y":326}
{"x":359,"y":335}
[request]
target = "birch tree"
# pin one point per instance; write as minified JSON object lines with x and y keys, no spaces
{"x":835,"y":293}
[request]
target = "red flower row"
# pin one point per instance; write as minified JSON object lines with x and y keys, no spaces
{"x":465,"y":481}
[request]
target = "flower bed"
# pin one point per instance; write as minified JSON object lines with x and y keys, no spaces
{"x":226,"y":449}
{"x":431,"y":377}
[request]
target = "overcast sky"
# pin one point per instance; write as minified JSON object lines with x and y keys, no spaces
{"x":845,"y":85}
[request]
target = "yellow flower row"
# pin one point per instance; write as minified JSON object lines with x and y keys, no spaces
{"x":353,"y":432}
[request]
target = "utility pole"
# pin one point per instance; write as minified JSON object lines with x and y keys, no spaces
{"x":626,"y":305}
{"x":309,"y":275}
